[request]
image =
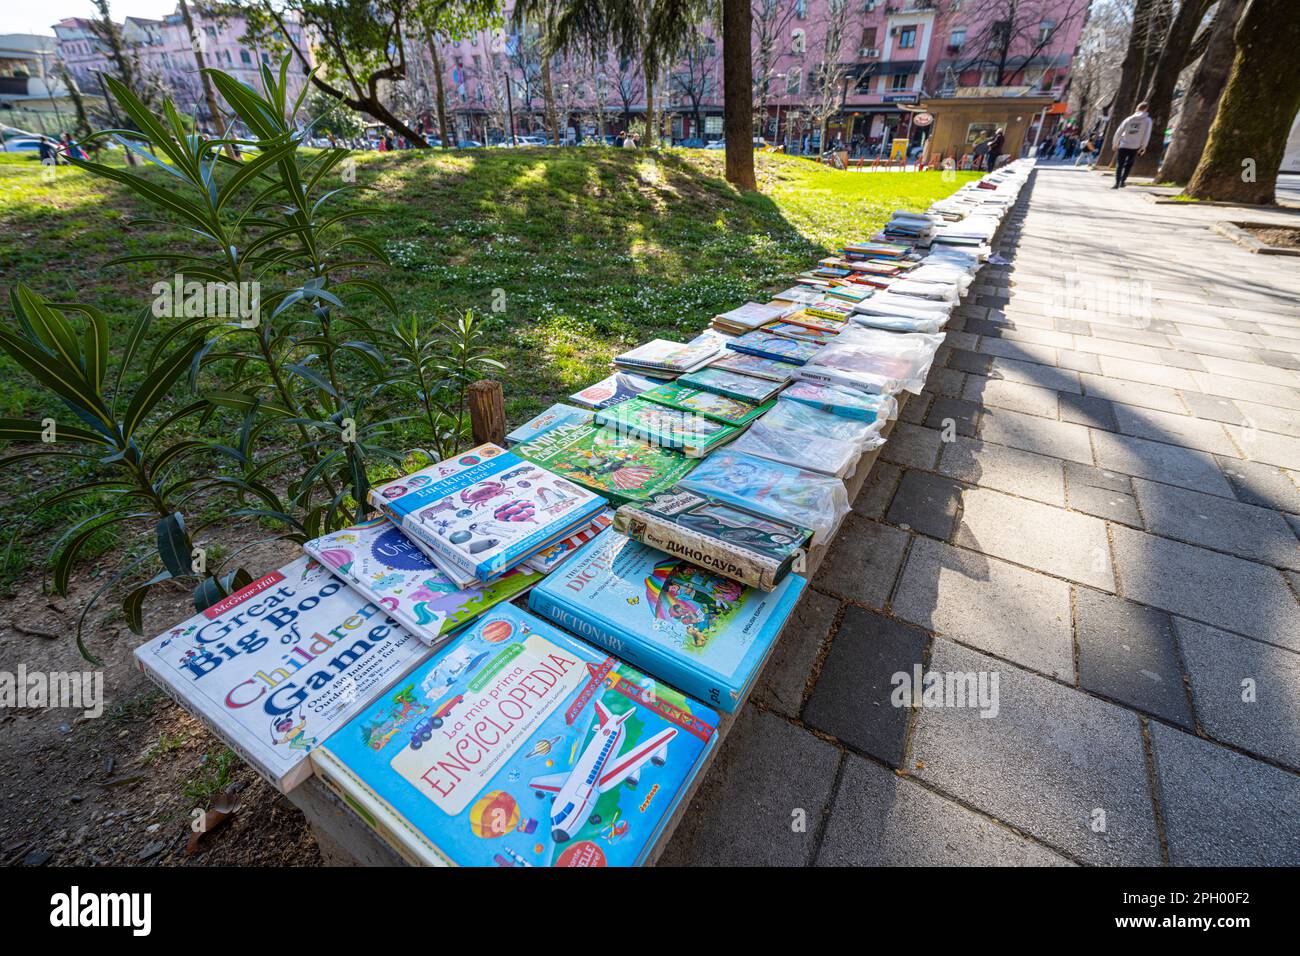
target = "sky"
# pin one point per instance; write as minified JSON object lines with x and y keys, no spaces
{"x":17,"y":16}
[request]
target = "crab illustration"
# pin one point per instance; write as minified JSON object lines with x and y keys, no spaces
{"x":481,"y":494}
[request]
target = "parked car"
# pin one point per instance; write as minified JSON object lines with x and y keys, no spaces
{"x":693,"y":142}
{"x":23,"y":144}
{"x":469,"y":144}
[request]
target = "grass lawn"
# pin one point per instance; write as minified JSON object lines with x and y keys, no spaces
{"x":586,"y":251}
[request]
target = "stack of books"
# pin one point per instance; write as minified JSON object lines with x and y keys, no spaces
{"x":750,"y":316}
{"x":661,"y":359}
{"x":485,"y":512}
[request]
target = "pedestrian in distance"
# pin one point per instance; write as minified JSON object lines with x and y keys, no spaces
{"x":1130,"y":141}
{"x":995,"y":147}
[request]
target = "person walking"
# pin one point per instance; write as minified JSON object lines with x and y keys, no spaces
{"x":1130,"y":141}
{"x":995,"y":147}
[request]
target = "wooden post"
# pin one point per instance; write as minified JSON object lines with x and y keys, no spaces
{"x":487,"y":412}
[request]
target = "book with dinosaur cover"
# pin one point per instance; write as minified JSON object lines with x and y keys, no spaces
{"x":766,"y":345}
{"x":539,"y":423}
{"x":478,"y":522}
{"x":735,"y":542}
{"x":743,"y":364}
{"x":730,"y":411}
{"x":518,"y":745}
{"x":383,"y":564}
{"x":279,"y":665}
{"x":667,"y":427}
{"x":618,"y":387}
{"x":745,"y":388}
{"x":670,"y":617}
{"x":618,"y":467}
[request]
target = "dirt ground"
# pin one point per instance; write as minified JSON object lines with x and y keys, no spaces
{"x":1283,"y":236}
{"x":120,"y":789}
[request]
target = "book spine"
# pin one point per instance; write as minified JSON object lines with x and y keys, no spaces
{"x":641,"y":655}
{"x":743,"y":565}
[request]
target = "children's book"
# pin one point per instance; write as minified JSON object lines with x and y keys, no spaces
{"x":746,"y":388}
{"x":735,"y":542}
{"x":667,"y":427}
{"x":279,"y":665}
{"x":548,"y":559}
{"x":825,"y":321}
{"x":618,"y":387}
{"x":821,"y":453}
{"x":786,"y":492}
{"x":730,"y":411}
{"x":481,"y":521}
{"x":672,"y":618}
{"x":743,"y":364}
{"x":766,"y":345}
{"x":518,"y":745}
{"x":378,"y":560}
{"x":535,"y":426}
{"x":618,"y":467}
{"x":799,"y":293}
{"x":751,"y":316}
{"x":660,"y":357}
{"x":843,"y":401}
{"x":801,"y":333}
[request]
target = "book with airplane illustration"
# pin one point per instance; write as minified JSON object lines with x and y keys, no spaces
{"x":485,"y":511}
{"x":519,"y":745}
{"x":276,"y":667}
{"x":379,"y":560}
{"x":669,"y":616}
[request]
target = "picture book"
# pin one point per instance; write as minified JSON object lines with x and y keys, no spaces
{"x":830,"y":456}
{"x":842,"y":401}
{"x":786,"y":492}
{"x":548,"y":559}
{"x":667,"y":427}
{"x":746,"y":388}
{"x":535,"y":426}
{"x":751,"y":316}
{"x":673,"y":358}
{"x":766,"y":345}
{"x":672,"y":618}
{"x":730,"y":411}
{"x":279,"y":665}
{"x":743,"y":364}
{"x":378,"y":560}
{"x":799,"y":293}
{"x":481,"y":521}
{"x":735,"y":542}
{"x":517,"y":745}
{"x":618,"y":467}
{"x":824,"y":321}
{"x":618,"y":387}
{"x":801,"y":333}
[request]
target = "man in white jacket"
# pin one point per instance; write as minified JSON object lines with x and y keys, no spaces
{"x":1130,"y":141}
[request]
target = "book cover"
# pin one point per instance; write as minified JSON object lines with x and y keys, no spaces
{"x":843,"y":401}
{"x":276,"y":667}
{"x":535,"y":426}
{"x":487,"y":517}
{"x":751,"y":315}
{"x":618,"y":467}
{"x":743,"y":364}
{"x":765,"y":345}
{"x":735,"y":542}
{"x":822,"y":320}
{"x":667,"y":427}
{"x":746,"y":388}
{"x":381,"y":562}
{"x":665,"y":356}
{"x":618,"y":387}
{"x":803,"y":449}
{"x":799,"y":293}
{"x":548,"y":559}
{"x":518,"y":745}
{"x":801,"y":333}
{"x":691,"y":628}
{"x":730,"y":411}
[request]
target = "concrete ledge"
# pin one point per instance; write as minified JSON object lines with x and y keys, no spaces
{"x":1237,"y":233}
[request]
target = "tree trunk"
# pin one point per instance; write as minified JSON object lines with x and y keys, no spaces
{"x":738,"y":92}
{"x":1160,"y":94}
{"x":1259,"y":104}
{"x":1129,"y":77}
{"x":209,"y":94}
{"x":444,"y":133}
{"x":1203,"y":95}
{"x":548,"y":92}
{"x":651,"y":124}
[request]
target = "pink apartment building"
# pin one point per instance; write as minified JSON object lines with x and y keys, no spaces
{"x":856,"y":63}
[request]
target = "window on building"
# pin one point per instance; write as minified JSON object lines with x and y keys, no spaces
{"x":989,"y":76}
{"x":906,"y":38}
{"x":900,"y":81}
{"x":868,"y":37}
{"x":713,"y":125}
{"x":957,"y":39}
{"x":246,"y":58}
{"x":1045,"y":30}
{"x":794,"y":82}
{"x":798,"y":41}
{"x":801,"y":9}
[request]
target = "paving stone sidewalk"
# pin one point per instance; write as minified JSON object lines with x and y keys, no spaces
{"x":1095,"y":501}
